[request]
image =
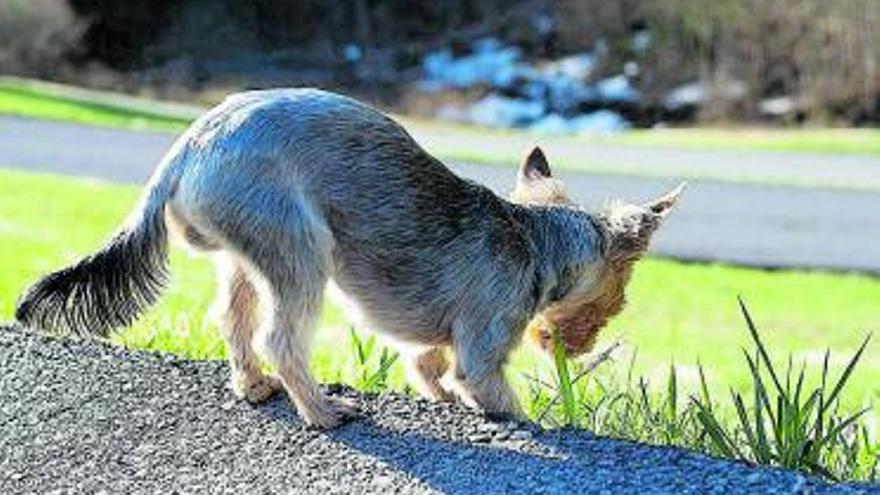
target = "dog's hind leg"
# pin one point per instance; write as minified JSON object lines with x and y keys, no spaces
{"x":424,"y":369}
{"x":263,"y":216}
{"x":237,"y":306}
{"x":297,"y":297}
{"x":293,"y":256}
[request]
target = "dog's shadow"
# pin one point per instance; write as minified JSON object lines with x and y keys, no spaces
{"x":546,"y":463}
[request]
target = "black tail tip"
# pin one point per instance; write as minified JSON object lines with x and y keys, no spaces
{"x":23,"y":312}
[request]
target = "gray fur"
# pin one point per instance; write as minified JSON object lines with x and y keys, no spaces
{"x":300,"y":186}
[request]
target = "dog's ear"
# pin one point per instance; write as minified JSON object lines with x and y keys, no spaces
{"x":631,"y":227}
{"x":663,"y":205}
{"x":535,"y":183}
{"x":535,"y":166}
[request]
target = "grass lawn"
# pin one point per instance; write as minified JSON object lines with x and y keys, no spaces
{"x":812,"y":140}
{"x":44,"y":103}
{"x":677,"y":313}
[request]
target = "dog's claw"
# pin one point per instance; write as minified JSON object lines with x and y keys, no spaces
{"x":256,"y":390}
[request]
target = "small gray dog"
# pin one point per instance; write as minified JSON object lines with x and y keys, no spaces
{"x":292,"y":188}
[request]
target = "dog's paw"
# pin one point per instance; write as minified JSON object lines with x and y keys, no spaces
{"x":445,"y":395}
{"x":329,"y":413}
{"x":256,"y":389}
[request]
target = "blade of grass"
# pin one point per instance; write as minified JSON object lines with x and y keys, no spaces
{"x":761,"y":349}
{"x":672,"y":394}
{"x":715,"y":431}
{"x":566,"y":391}
{"x":594,"y":363}
{"x":846,"y":374}
{"x":761,"y":393}
{"x":704,"y":389}
{"x":746,"y":427}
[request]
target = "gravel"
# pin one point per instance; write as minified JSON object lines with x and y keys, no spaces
{"x":86,"y":417}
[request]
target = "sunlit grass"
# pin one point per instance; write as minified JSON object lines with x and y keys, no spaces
{"x":812,"y":140}
{"x":786,"y":423}
{"x":779,"y":420}
{"x":32,"y":102}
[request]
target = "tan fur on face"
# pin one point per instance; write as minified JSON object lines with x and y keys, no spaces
{"x":580,"y":319}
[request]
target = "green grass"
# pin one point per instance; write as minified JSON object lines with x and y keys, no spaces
{"x":807,"y":140}
{"x":37,"y":102}
{"x":788,"y":424}
{"x":782,"y":421}
{"x":456,"y":142}
{"x":824,"y":140}
{"x":506,"y":147}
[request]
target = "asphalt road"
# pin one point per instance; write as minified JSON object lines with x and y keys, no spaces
{"x":83,"y":417}
{"x":767,"y":226}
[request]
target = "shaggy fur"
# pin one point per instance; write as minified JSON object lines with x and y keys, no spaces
{"x":290,"y":189}
{"x":579,"y":318}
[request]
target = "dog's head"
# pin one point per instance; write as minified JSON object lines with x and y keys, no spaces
{"x":596,"y":291}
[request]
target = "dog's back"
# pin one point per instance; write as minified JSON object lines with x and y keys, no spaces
{"x":413,"y":243}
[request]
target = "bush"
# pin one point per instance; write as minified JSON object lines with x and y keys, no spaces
{"x":823,"y":55}
{"x":36,"y":35}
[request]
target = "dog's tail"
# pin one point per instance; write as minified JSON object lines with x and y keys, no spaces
{"x":113,"y":286}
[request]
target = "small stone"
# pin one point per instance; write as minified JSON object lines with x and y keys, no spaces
{"x":502,"y":435}
{"x":480,"y":437}
{"x":521,"y":435}
{"x":382,"y":481}
{"x":226,"y":406}
{"x":753,"y":478}
{"x":488,"y":427}
{"x":800,"y":485}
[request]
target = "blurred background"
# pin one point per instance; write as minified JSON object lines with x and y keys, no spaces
{"x":519,"y":63}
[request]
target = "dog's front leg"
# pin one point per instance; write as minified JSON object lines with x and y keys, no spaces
{"x":480,"y":356}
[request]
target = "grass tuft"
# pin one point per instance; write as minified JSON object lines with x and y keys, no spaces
{"x":564,"y":386}
{"x":370,"y":377}
{"x":782,"y":423}
{"x":785,"y":425}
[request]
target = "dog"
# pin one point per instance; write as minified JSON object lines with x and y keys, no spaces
{"x":291,"y":188}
